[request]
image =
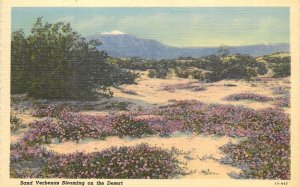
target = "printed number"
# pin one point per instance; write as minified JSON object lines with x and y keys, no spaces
{"x":281,"y":183}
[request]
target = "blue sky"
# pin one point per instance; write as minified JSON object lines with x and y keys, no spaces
{"x":180,"y":27}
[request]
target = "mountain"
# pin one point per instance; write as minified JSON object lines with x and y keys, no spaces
{"x":124,"y":45}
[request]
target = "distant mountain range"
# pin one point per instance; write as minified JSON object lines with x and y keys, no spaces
{"x":124,"y":45}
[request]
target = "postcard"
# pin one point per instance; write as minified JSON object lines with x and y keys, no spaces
{"x":129,"y":93}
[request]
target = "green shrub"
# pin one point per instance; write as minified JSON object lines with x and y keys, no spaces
{"x":55,"y":62}
{"x":281,"y":66}
{"x":262,"y":69}
{"x":181,"y":72}
{"x":160,"y":73}
{"x":151,"y":73}
{"x":197,"y":74}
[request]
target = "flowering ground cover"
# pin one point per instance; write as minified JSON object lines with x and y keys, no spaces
{"x":248,"y":96}
{"x":283,"y":101}
{"x":281,"y":90}
{"x":140,"y":161}
{"x":265,"y":153}
{"x":49,"y":111}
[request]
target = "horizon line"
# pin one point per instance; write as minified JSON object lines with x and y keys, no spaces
{"x":104,"y":33}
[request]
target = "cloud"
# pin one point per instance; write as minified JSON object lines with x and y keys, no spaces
{"x":115,"y":32}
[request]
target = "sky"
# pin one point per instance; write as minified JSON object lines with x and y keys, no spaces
{"x":178,"y":27}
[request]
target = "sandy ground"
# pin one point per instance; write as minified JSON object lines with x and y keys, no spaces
{"x":201,"y":153}
{"x":150,"y":93}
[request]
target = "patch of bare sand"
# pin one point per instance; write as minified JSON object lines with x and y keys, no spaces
{"x":150,"y":93}
{"x":201,"y":155}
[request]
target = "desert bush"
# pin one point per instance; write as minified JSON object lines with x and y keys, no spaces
{"x":181,"y":72}
{"x":197,"y":74}
{"x":212,"y":76}
{"x":248,"y":96}
{"x":55,"y":62}
{"x":151,"y":73}
{"x":262,"y":69}
{"x":281,"y":66}
{"x":236,"y":66}
{"x":160,"y":73}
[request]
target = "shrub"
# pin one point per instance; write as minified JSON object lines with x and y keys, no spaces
{"x":197,"y":74}
{"x":262,"y":69}
{"x":151,"y":73}
{"x":212,"y":76}
{"x":55,"y":62}
{"x":281,"y":66}
{"x":236,"y":66}
{"x":248,"y":96}
{"x":181,"y":73}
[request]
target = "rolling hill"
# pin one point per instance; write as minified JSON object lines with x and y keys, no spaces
{"x":124,"y":45}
